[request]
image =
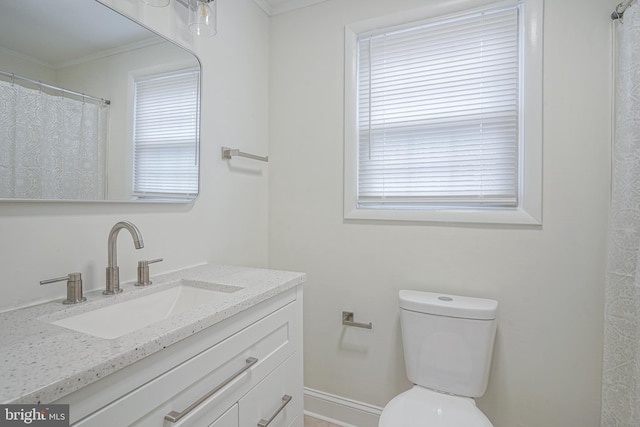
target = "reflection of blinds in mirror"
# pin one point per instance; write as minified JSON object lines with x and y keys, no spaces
{"x":165,"y":135}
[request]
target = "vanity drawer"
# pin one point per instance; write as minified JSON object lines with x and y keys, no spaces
{"x":225,"y":369}
{"x":228,"y":419}
{"x":278,"y":398}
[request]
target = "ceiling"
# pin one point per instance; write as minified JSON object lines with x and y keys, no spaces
{"x":24,"y":24}
{"x":275,"y":7}
{"x":71,"y":29}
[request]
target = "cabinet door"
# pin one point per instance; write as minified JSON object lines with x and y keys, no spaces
{"x":277,"y":400}
{"x":228,"y":419}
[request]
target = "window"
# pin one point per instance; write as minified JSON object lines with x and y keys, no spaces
{"x":165,"y":135}
{"x":443,"y":118}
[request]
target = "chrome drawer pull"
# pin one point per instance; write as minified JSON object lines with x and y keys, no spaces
{"x":174,"y":416}
{"x":285,"y":401}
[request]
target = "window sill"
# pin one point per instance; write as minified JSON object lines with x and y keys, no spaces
{"x":515,"y":216}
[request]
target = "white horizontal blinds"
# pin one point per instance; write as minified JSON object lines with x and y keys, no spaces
{"x":438,"y":113}
{"x":166,"y":135}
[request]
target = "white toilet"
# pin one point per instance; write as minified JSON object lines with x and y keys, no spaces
{"x":448,"y":343}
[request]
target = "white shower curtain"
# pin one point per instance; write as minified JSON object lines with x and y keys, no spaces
{"x":51,"y":147}
{"x":621,"y":374}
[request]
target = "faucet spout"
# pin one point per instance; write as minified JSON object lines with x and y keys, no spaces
{"x":113,"y":273}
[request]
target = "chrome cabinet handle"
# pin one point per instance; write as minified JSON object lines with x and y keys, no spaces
{"x":285,"y":401}
{"x":175,"y":416}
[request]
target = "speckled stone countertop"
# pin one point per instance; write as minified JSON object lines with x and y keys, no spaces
{"x":41,"y":362}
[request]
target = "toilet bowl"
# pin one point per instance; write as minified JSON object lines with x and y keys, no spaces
{"x":448,"y":345}
{"x":422,"y":407}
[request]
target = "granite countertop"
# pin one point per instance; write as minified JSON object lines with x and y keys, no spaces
{"x":41,"y":362}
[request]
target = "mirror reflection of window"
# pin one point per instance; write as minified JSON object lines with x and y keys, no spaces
{"x":165,"y":135}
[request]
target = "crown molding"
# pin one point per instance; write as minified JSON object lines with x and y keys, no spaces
{"x":276,"y":7}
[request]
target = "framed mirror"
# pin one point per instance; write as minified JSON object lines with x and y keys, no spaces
{"x":94,"y":107}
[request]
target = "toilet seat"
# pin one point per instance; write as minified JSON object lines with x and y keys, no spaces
{"x":421,"y":407}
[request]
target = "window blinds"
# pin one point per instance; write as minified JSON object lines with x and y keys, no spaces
{"x":165,"y":136}
{"x":438,"y":113}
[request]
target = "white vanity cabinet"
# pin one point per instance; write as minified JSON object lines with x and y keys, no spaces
{"x":228,"y":419}
{"x":243,"y":371}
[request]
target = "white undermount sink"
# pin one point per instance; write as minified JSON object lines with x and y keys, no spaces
{"x":119,"y":319}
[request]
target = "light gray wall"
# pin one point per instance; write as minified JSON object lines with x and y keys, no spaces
{"x":10,"y":62}
{"x":549,"y":281}
{"x":228,"y":222}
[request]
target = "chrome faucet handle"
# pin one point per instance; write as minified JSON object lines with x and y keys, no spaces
{"x":74,"y":287}
{"x":143,"y":272}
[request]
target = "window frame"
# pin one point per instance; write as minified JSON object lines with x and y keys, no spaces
{"x":529,"y":208}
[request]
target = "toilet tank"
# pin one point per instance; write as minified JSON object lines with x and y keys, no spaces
{"x":448,"y":341}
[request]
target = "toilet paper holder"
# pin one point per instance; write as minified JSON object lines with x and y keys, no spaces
{"x":347,"y":320}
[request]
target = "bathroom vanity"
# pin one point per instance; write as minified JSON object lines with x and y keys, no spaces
{"x":232,"y":360}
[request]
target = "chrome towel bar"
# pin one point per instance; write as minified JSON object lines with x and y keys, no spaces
{"x":228,"y":153}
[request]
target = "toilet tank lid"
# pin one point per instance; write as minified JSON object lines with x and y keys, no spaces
{"x":449,"y":305}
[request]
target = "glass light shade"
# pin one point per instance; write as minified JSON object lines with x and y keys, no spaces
{"x":202,"y":17}
{"x":157,"y":3}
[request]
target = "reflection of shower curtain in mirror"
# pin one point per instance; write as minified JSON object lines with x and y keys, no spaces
{"x":51,"y":147}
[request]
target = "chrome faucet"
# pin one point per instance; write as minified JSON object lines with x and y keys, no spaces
{"x":113,"y":273}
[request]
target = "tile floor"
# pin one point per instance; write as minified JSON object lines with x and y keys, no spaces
{"x":314,"y":422}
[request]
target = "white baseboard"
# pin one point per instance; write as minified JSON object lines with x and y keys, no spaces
{"x":339,"y":410}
